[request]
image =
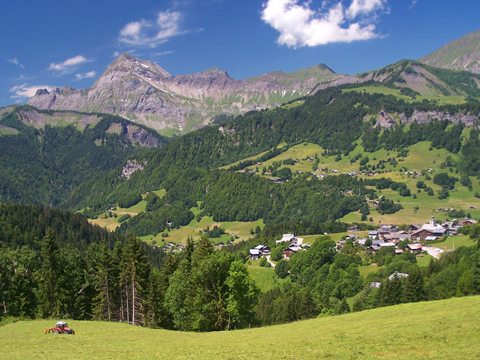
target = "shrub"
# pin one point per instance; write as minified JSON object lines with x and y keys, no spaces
{"x":281,"y":269}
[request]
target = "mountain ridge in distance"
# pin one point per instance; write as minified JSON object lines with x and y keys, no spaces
{"x":144,"y":92}
{"x":462,"y":54}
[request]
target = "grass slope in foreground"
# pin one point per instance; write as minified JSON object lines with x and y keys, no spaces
{"x":446,"y":329}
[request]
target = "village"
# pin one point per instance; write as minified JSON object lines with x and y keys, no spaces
{"x":414,"y":239}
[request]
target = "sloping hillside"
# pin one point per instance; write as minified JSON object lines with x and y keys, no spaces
{"x":462,"y":54}
{"x":445,"y":329}
{"x":414,"y":78}
{"x":46,"y":154}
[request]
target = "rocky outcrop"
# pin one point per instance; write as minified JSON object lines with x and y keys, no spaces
{"x":135,"y":134}
{"x":131,"y":167}
{"x":145,"y":93}
{"x":141,"y":136}
{"x":387,"y":120}
{"x":423,"y":117}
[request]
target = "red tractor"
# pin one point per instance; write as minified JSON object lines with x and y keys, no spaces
{"x":60,"y":327}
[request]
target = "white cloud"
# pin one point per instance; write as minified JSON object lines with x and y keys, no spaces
{"x":24,"y":91}
{"x":364,"y":7}
{"x":87,"y":75}
{"x":69,"y":64}
{"x":147,"y":33}
{"x":299,"y":25}
{"x":17,"y":62}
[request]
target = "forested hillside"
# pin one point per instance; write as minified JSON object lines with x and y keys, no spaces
{"x":79,"y":167}
{"x":46,"y":154}
{"x":337,"y":120}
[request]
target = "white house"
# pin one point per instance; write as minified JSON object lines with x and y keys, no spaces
{"x":290,"y":238}
{"x":263,"y":249}
{"x":254,"y":254}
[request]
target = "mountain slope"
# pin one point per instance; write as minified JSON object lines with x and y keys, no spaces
{"x":144,"y":92}
{"x":444,"y":329}
{"x":45,"y":155}
{"x":462,"y":54}
{"x":415,"y":77}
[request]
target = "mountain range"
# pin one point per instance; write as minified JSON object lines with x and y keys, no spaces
{"x":144,"y":92}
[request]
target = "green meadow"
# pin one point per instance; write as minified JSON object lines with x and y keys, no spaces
{"x":384,"y":90}
{"x":446,"y":329}
{"x":265,"y":278}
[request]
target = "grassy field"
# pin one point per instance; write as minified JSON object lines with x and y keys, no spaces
{"x":446,"y":329}
{"x":111,"y":223}
{"x":421,"y":157}
{"x":7,"y":131}
{"x":237,"y":229}
{"x":232,"y":228}
{"x":366,"y":270}
{"x":265,"y":278}
{"x":453,"y":242}
{"x":383,"y":90}
{"x":424,"y":261}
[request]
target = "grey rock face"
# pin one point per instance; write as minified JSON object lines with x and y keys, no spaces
{"x":145,"y":93}
{"x":387,"y":120}
{"x":131,"y":167}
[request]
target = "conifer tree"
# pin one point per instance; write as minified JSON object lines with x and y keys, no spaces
{"x":49,"y":277}
{"x":415,"y":287}
{"x":105,"y":285}
{"x":391,"y":292}
{"x":133,"y":278}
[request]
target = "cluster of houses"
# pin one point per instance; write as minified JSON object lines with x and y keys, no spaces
{"x":293,"y":244}
{"x":417,"y":236}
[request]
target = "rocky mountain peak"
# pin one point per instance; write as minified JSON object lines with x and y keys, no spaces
{"x":323,"y":67}
{"x":129,"y":63}
{"x":216,"y":72}
{"x":42,"y":92}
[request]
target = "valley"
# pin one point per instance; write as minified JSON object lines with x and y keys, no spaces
{"x":303,"y":214}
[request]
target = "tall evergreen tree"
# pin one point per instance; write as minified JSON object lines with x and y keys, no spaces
{"x":391,"y":292}
{"x":49,"y":278}
{"x":133,"y":279}
{"x":414,"y":287}
{"x":105,"y":283}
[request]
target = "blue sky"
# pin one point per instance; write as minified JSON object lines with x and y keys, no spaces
{"x":58,"y":42}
